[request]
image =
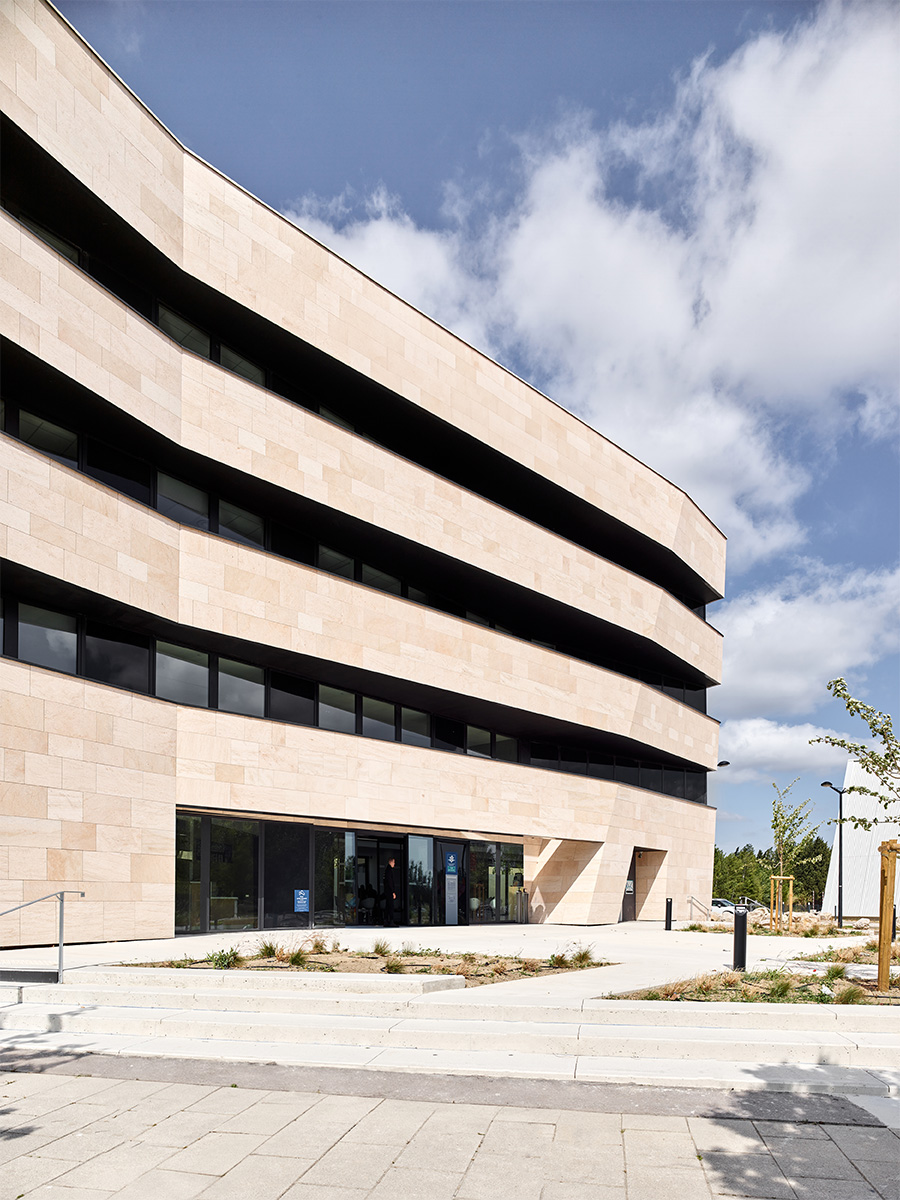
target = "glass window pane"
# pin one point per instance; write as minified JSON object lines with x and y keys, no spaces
{"x":415,"y":727}
{"x":292,"y":699}
{"x":335,"y":562}
{"x":510,"y":882}
{"x":673,"y":782}
{"x":183,"y":332}
{"x":673,"y":688}
{"x":242,"y":366}
{"x":420,"y":597}
{"x":47,"y":638}
{"x":240,"y":525}
{"x":573,"y":761}
{"x":449,"y":735}
{"x":289,"y":543}
{"x":182,"y":674}
{"x":651,"y":776}
{"x":482,"y":882}
{"x":696,"y":698}
{"x":233,"y":874}
{"x":241,"y":688}
{"x":337,"y":709}
{"x":377,"y":719}
{"x":60,"y":245}
{"x":59,"y":443}
{"x":602,"y":766}
{"x":544,"y":754}
{"x":695,"y":786}
{"x":478,"y":742}
{"x":286,"y":872}
{"x":335,"y":882}
{"x":182,"y":502}
{"x":117,"y":656}
{"x":628,"y":771}
{"x":506,"y":748}
{"x":381,"y":580}
{"x":188,"y":883}
{"x":420,"y":878}
{"x":330,"y":415}
{"x":118,"y":470}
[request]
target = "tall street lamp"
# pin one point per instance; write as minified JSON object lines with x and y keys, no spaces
{"x":840,"y":906}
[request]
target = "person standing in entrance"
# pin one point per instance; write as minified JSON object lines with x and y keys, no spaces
{"x":390,"y":891}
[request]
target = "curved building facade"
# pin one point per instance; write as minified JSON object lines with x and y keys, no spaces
{"x":296,"y":582}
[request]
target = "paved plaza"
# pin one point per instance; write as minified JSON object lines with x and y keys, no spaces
{"x":94,"y":1127}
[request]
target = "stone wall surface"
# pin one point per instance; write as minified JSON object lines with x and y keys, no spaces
{"x":64,"y":97}
{"x":92,"y":776}
{"x":79,"y":328}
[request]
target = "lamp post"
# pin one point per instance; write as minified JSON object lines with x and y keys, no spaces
{"x":840,"y":904}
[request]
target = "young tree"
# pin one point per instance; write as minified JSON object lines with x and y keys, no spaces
{"x":880,"y":758}
{"x":792,"y":835}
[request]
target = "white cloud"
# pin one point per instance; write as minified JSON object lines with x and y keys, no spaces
{"x":783,"y":643}
{"x":759,"y":749}
{"x":749,"y":280}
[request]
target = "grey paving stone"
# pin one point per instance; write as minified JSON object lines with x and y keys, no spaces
{"x":298,"y":1140}
{"x":529,"y":1140}
{"x":117,"y":1168}
{"x":453,"y":1151}
{"x":757,"y":1175}
{"x":265,"y":1119}
{"x":399,"y":1183}
{"x":172,"y":1099}
{"x":315,"y":1191}
{"x":161,"y":1184}
{"x":215,"y":1153}
{"x":655,"y":1183}
{"x":869,"y":1143}
{"x":474,"y":1118}
{"x":79,"y":1147}
{"x":665,"y":1124}
{"x":586,"y":1164}
{"x":726,"y":1136}
{"x":541,"y":1115}
{"x":258,"y":1176}
{"x":587,"y":1128}
{"x":24,"y":1173}
{"x":811,"y":1160}
{"x":51,"y":1191}
{"x":663,"y":1146}
{"x":581,"y":1191}
{"x":345,"y":1110}
{"x":883,"y":1176}
{"x":833,"y":1189}
{"x":228,"y":1100}
{"x":178,"y":1130}
{"x":791,"y":1129}
{"x":351,"y":1165}
{"x":392,"y":1121}
{"x":493,"y":1175}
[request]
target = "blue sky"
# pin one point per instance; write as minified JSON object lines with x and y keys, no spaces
{"x":677,"y":218}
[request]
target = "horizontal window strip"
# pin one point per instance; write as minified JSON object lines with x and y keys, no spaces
{"x":144,"y":663}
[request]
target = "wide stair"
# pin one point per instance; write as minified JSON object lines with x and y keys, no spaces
{"x":414,"y":1023}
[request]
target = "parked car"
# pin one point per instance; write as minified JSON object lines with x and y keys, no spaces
{"x":753,"y":905}
{"x":718,"y":902}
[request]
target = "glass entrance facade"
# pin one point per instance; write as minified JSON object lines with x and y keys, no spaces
{"x":232,"y":873}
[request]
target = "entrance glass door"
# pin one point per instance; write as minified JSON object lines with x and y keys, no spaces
{"x":233,"y":874}
{"x":373,"y":854}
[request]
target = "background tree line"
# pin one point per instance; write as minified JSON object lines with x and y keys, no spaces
{"x":745,"y":872}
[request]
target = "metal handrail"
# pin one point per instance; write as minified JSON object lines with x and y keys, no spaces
{"x":61,"y":897}
{"x":692,"y":900}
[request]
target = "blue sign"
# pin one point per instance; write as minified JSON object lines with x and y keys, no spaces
{"x":451,"y":863}
{"x":301,"y":900}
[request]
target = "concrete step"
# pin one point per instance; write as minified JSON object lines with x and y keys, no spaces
{"x":563,"y":1038}
{"x":331,"y":982}
{"x":477,"y":1004}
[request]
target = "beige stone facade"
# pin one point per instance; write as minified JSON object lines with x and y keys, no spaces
{"x":94,"y":774}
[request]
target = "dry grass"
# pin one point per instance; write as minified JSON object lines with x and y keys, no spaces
{"x":774,"y":987}
{"x":316,"y":953}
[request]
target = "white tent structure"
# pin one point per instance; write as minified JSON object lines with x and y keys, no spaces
{"x":862,"y":862}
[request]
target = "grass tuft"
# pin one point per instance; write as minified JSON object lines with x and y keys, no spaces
{"x":381,"y":947}
{"x":269,"y":949}
{"x":582,"y":956}
{"x":224,"y":960}
{"x":298,"y":957}
{"x":394,"y":966}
